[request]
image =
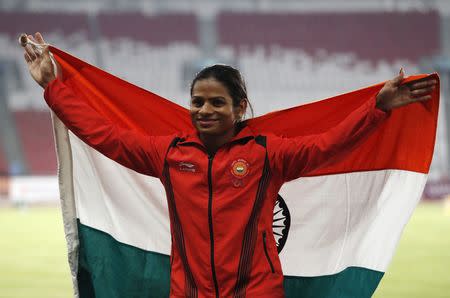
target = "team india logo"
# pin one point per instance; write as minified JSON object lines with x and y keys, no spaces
{"x":239,"y":168}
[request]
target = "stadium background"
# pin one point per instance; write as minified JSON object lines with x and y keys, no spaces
{"x":290,"y":53}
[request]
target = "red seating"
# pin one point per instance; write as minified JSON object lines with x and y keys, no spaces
{"x":158,"y":30}
{"x":35,"y":131}
{"x":14,"y":23}
{"x":371,"y":35}
{"x":3,"y":162}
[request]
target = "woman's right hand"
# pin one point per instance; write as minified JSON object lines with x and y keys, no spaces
{"x":39,"y":61}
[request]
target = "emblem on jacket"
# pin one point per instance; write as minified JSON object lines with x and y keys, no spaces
{"x":186,"y":167}
{"x":239,"y":168}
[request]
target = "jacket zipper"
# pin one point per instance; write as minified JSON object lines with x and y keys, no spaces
{"x":211,"y":235}
{"x":266,"y":253}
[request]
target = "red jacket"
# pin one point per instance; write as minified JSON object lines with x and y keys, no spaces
{"x":220,"y":206}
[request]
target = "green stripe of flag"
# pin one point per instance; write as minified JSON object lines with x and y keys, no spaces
{"x":110,"y":268}
{"x":353,"y":282}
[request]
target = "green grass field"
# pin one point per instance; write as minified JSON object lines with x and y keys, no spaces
{"x":33,"y":256}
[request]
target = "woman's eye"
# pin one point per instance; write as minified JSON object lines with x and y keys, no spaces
{"x":196,"y":103}
{"x":218,"y":102}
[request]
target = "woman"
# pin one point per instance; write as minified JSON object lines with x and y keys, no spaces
{"x":221,"y":179}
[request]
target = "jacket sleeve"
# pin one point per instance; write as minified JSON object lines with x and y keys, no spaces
{"x":132,"y":149}
{"x":296,"y":157}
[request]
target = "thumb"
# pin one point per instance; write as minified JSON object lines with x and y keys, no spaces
{"x":398,"y":79}
{"x":46,"y":54}
{"x":47,"y":59}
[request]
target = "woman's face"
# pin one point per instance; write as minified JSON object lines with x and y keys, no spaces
{"x":212,"y":110}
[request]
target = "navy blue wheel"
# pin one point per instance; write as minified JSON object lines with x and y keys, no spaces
{"x":281,"y":223}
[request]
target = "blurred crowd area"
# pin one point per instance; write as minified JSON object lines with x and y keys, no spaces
{"x":290,"y":53}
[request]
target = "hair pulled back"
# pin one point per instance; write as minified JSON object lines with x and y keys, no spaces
{"x":230,"y":77}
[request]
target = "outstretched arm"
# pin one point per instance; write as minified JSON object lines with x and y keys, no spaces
{"x":135,"y":150}
{"x":295,"y":157}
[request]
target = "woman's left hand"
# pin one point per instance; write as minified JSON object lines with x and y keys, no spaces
{"x":394,"y":94}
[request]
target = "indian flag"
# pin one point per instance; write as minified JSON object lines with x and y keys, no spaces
{"x":336,"y":229}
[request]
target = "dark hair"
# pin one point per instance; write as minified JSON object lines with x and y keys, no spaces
{"x":230,"y":77}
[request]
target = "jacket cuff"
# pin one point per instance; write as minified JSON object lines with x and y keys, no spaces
{"x":378,"y":113}
{"x":48,"y":91}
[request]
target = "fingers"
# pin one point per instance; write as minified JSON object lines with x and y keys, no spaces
{"x":27,"y":57}
{"x":36,"y":41}
{"x":34,"y":49}
{"x":31,"y":52}
{"x":39,"y":38}
{"x":422,"y":91}
{"x":423,"y":84}
{"x":421,"y":98}
{"x":31,"y":37}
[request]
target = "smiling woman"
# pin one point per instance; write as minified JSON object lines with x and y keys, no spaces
{"x":221,"y":178}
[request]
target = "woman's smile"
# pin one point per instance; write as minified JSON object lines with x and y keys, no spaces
{"x":207,"y":122}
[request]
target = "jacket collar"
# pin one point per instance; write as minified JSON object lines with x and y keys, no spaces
{"x":244,"y":133}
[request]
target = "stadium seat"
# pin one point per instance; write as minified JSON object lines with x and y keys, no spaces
{"x":36,"y":134}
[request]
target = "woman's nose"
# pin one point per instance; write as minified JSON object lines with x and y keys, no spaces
{"x":206,"y":109}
